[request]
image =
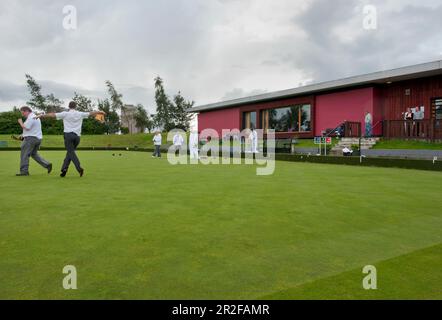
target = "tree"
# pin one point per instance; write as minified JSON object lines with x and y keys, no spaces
{"x":84,"y":104}
{"x":40,"y":102}
{"x":115,"y":104}
{"x":112,"y":120}
{"x":8,"y":122}
{"x":53,"y":104}
{"x":181,"y":114}
{"x":116,"y":98}
{"x":164,"y":115}
{"x":142,"y":119}
{"x":37,"y":101}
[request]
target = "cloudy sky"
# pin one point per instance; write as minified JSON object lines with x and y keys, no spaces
{"x":210,"y":50}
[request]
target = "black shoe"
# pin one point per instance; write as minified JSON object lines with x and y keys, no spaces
{"x":81,"y":172}
{"x":63,"y":173}
{"x":49,"y":168}
{"x":22,"y":175}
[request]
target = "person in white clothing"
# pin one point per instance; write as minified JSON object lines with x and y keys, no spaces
{"x":157,"y":140}
{"x":72,"y":123}
{"x":32,"y":136}
{"x":347,"y":152}
{"x":254,"y":141}
{"x":178,"y":141}
{"x":193,"y":145}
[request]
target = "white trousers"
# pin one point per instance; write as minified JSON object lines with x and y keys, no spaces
{"x":194,"y":153}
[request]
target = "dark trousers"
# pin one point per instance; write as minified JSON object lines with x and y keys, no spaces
{"x":157,"y":152}
{"x":29,"y":148}
{"x":71,"y":142}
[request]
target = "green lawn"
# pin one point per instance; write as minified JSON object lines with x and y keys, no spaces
{"x":137,"y":227}
{"x":411,"y":144}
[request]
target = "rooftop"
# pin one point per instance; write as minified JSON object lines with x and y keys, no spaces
{"x":381,"y":77}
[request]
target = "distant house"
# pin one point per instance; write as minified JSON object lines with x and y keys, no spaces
{"x":128,"y":119}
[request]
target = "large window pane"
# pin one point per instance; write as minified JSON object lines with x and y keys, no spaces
{"x":289,"y":119}
{"x":438,"y":107}
{"x":283,"y":119}
{"x":306,"y":118}
{"x":249,"y":120}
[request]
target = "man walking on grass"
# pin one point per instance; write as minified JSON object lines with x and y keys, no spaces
{"x":157,"y":139}
{"x":32,"y":136}
{"x":72,"y":123}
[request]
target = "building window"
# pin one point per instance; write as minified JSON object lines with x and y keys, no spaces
{"x":249,"y":120}
{"x":290,"y":119}
{"x":437,"y":109}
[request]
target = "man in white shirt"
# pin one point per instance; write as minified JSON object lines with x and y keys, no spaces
{"x":32,"y":136}
{"x":72,"y":123}
{"x":157,"y":139}
{"x":254,"y":140}
{"x":347,"y":152}
{"x":193,"y":145}
{"x":178,"y":141}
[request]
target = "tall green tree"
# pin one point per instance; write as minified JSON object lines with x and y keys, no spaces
{"x":112,"y":120}
{"x":37,"y":101}
{"x":53,"y":104}
{"x":84,"y":104}
{"x":181,"y":114}
{"x":164,"y":114}
{"x":143,"y":119}
{"x":40,"y":102}
{"x":116,"y":99}
{"x":8,"y":122}
{"x":116,"y":105}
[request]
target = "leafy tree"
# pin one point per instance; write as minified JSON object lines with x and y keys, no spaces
{"x":116,"y":98}
{"x":171,"y":114}
{"x":84,"y":104}
{"x":142,"y":119}
{"x":181,"y":114}
{"x":164,"y":115}
{"x":53,"y":104}
{"x":8,"y":122}
{"x":112,"y":120}
{"x":40,"y":102}
{"x":115,"y":104}
{"x":92,"y":126}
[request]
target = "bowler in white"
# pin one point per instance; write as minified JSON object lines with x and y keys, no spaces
{"x":72,"y":124}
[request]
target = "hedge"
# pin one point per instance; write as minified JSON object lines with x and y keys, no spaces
{"x":350,"y":161}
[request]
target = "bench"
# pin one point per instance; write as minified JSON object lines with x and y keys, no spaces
{"x":283,"y":145}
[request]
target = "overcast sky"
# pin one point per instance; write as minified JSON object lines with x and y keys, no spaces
{"x":210,"y":50}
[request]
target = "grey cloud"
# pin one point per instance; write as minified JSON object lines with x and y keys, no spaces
{"x":13,"y":94}
{"x":205,"y":49}
{"x":397,"y":41}
{"x":241,"y":93}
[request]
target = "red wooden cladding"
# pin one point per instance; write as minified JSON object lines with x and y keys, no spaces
{"x":397,"y":97}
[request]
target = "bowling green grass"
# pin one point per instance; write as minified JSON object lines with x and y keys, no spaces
{"x":138,"y":228}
